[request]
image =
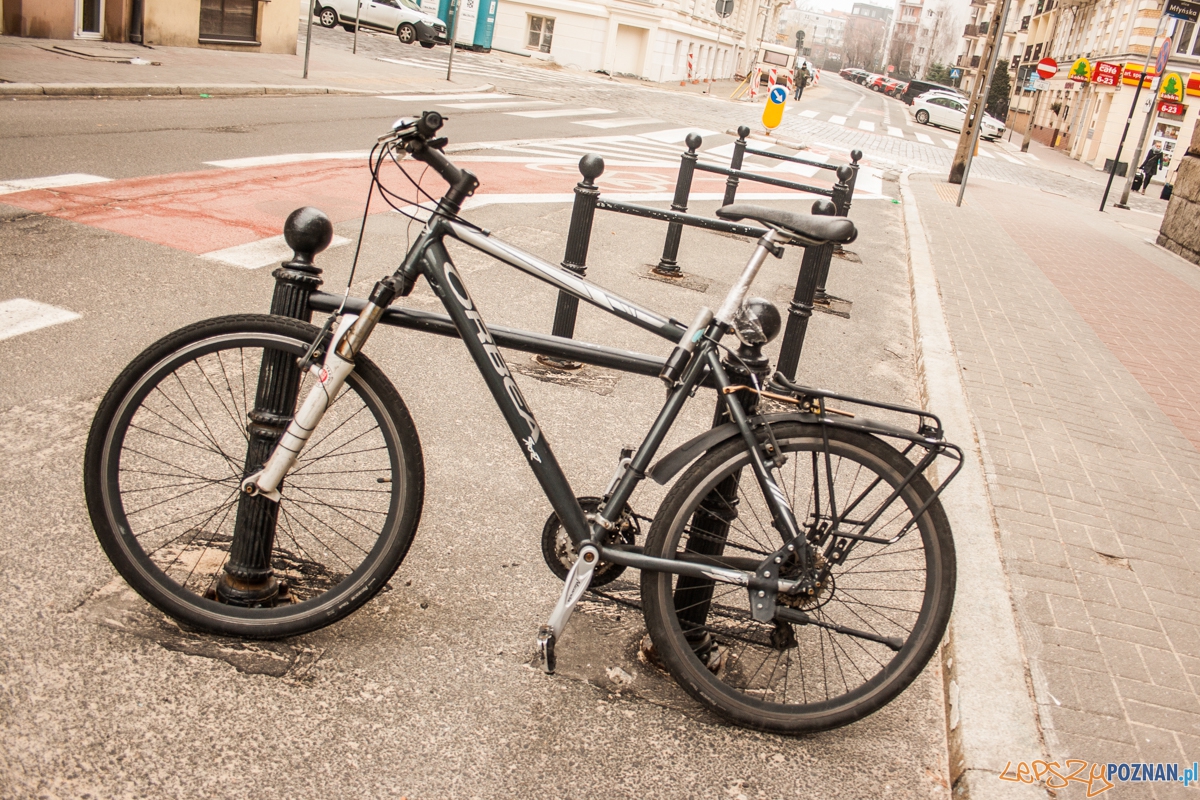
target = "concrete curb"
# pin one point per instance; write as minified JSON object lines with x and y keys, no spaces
{"x":43,"y":90}
{"x":991,"y":716}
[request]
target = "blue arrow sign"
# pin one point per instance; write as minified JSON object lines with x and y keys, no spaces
{"x":778,"y":94}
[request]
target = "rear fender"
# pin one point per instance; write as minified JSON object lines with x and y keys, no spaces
{"x":673,"y":463}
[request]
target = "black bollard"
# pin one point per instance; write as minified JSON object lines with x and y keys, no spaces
{"x":248,"y":578}
{"x":579,"y":237}
{"x":735,"y":163}
{"x":841,"y":191}
{"x":709,"y":530}
{"x":801,"y":307}
{"x":668,"y":265}
{"x":855,"y":157}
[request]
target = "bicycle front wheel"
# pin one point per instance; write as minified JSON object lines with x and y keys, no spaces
{"x":166,"y":456}
{"x":875,"y":621}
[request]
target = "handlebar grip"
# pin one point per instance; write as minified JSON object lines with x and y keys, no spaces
{"x":429,"y":124}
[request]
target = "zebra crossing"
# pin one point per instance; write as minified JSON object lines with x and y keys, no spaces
{"x":655,"y":148}
{"x":466,"y":63}
{"x":868,"y":126}
{"x":528,"y":107}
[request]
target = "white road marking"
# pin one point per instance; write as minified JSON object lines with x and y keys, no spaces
{"x":1008,"y":158}
{"x":923,"y":138}
{"x":863,"y":125}
{"x":894,"y":131}
{"x":985,"y":153}
{"x":674,"y":135}
{"x":809,"y":113}
{"x":473,"y":106}
{"x":288,"y":158}
{"x":51,"y":182}
{"x":615,"y":123}
{"x":951,"y":143}
{"x":19,"y":316}
{"x":262,"y":253}
{"x":836,"y":120}
{"x":561,"y":112}
{"x":1030,"y":155}
{"x":469,"y":96}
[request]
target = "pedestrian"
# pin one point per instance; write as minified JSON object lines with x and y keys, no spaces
{"x":1152,"y":164}
{"x":800,"y":77}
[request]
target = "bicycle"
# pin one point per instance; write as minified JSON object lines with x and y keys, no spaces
{"x":257,"y":476}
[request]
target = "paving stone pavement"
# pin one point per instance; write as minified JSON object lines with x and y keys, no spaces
{"x":1076,"y":339}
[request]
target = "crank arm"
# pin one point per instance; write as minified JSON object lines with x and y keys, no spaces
{"x":577,"y":582}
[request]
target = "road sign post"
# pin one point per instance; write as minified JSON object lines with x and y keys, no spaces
{"x":724,"y":8}
{"x":1112,"y":173}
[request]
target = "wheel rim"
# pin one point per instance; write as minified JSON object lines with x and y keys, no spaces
{"x":328,"y":18}
{"x":407,"y":33}
{"x":172,"y":465}
{"x":788,"y":669}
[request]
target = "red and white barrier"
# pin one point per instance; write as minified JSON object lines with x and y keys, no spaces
{"x":690,"y":62}
{"x":772,"y":79}
{"x":753,"y":93}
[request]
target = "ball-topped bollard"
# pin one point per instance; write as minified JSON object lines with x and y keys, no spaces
{"x":668,"y":264}
{"x":693,"y":141}
{"x":743,"y":131}
{"x":591,"y":166}
{"x":307,"y":231}
{"x":824,"y":208}
{"x":844,"y":173}
{"x":855,"y":156}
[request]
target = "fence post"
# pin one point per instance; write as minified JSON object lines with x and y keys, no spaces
{"x":579,"y":237}
{"x":841,"y":202}
{"x":801,"y":307}
{"x":855,"y":157}
{"x":248,"y":578}
{"x":668,"y":265}
{"x":739,"y":152}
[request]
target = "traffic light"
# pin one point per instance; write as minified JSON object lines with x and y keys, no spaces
{"x":799,"y":40}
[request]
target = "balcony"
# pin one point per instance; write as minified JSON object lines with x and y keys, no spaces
{"x":983,"y":28}
{"x":1024,"y":23}
{"x":974,"y":62}
{"x":971,"y":31}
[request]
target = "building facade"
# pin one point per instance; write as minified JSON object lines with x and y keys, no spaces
{"x":865,"y":36}
{"x":259,"y":25}
{"x":824,"y":35}
{"x":655,"y":41}
{"x":1012,"y":43}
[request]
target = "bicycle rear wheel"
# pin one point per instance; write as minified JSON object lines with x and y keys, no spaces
{"x":788,"y":677}
{"x":166,"y":456}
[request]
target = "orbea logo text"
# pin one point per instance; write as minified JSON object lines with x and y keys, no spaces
{"x":1098,"y":778}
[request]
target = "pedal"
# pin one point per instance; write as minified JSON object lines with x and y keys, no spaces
{"x":545,"y":648}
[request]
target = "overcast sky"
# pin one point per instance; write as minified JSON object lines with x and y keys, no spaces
{"x":845,"y":5}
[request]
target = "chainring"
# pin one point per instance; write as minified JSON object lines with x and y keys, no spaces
{"x":559,"y":551}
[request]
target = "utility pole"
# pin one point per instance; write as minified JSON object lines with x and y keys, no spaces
{"x":1151,"y":115}
{"x":1132,"y":107}
{"x":970,"y":135}
{"x":1037,"y":96}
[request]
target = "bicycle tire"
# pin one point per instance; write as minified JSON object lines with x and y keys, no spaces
{"x":723,"y":663}
{"x":166,"y":454}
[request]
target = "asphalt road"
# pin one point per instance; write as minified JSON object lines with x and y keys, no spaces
{"x":427,"y":692}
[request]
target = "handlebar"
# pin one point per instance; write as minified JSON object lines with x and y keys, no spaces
{"x":417,"y":138}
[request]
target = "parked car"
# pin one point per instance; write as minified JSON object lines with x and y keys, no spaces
{"x":917,"y":88}
{"x":949,"y":111}
{"x":401,"y":17}
{"x":893,"y":87}
{"x":875,"y":82}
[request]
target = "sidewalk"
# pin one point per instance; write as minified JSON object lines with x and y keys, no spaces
{"x":87,"y":68}
{"x":1076,"y":340}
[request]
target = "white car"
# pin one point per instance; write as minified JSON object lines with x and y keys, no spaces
{"x":950,"y":111}
{"x":401,"y":17}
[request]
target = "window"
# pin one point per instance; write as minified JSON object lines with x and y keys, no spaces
{"x":541,"y":31}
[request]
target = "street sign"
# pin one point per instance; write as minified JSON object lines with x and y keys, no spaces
{"x":891,"y":68}
{"x":1036,"y":85}
{"x":1164,"y":53}
{"x":773,"y":113}
{"x":1183,"y":9}
{"x":1171,"y":87}
{"x":955,"y":74}
{"x":1081,"y":71}
{"x":1047,"y":68}
{"x":724,"y":8}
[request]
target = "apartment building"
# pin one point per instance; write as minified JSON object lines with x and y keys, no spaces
{"x":1100,"y":47}
{"x":255,"y":25}
{"x":824,"y":35}
{"x":865,"y":36}
{"x":655,"y":41}
{"x":1012,"y":41}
